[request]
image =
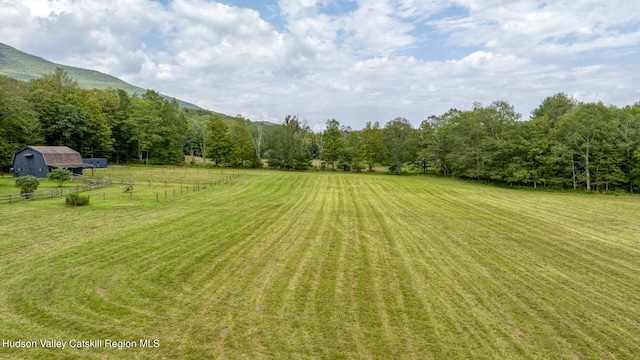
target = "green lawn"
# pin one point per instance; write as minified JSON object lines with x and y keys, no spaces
{"x":323,"y":265}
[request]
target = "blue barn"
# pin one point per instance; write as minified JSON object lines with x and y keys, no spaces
{"x":39,"y":160}
{"x":98,"y":163}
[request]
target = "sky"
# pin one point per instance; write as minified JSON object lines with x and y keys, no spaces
{"x":354,"y":61}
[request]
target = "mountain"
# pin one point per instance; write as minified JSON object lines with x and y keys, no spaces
{"x":22,"y":66}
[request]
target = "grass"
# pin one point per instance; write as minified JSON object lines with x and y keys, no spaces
{"x":325,"y":265}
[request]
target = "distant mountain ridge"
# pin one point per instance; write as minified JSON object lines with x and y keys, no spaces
{"x":22,"y":66}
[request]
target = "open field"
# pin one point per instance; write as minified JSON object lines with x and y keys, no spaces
{"x":324,"y":265}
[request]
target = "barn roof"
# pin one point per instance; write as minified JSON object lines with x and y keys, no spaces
{"x":60,"y":156}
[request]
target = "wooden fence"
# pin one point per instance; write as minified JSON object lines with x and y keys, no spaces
{"x":48,"y":194}
{"x":90,"y":183}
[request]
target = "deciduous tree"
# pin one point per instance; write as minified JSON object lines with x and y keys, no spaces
{"x":400,"y":139}
{"x":19,"y":125}
{"x":333,"y":143}
{"x":218,"y":143}
{"x":59,"y":175}
{"x":583,"y":131}
{"x":372,"y":148}
{"x":242,"y":147}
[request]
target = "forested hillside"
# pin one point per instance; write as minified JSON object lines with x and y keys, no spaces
{"x":111,"y":123}
{"x":564,"y":144}
{"x":22,"y":66}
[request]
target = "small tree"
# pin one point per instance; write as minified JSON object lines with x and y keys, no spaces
{"x":333,"y":143}
{"x":27,"y":184}
{"x":60,"y":176}
{"x":218,"y":143}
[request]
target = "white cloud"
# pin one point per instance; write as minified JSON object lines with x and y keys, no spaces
{"x":376,"y":29}
{"x":531,"y":27}
{"x":300,"y":8}
{"x":355,"y":61}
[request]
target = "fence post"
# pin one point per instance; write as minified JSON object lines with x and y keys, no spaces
{"x":10,"y":200}
{"x":157,"y":197}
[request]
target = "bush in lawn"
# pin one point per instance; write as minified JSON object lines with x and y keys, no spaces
{"x":301,"y":165}
{"x":59,"y":175}
{"x":274,"y":163}
{"x":393,"y":169}
{"x":256,"y":163}
{"x":76,"y":199}
{"x":27,"y":184}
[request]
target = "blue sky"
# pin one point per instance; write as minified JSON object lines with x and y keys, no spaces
{"x":355,"y":61}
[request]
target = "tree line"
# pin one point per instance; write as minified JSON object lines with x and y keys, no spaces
{"x":564,"y":144}
{"x":53,"y":110}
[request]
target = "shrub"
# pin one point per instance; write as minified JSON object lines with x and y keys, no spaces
{"x":76,"y":199}
{"x":301,"y":165}
{"x":60,"y":176}
{"x":256,"y":163}
{"x":274,"y":163}
{"x":27,"y":184}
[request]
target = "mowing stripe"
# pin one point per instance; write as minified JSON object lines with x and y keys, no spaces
{"x":329,"y":265}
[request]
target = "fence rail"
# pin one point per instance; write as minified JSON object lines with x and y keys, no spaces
{"x":91,"y":180}
{"x":48,"y":194}
{"x":92,"y":183}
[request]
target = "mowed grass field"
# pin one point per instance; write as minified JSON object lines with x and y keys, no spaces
{"x":312,"y":265}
